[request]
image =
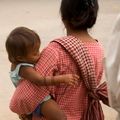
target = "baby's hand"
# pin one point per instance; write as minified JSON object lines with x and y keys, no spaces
{"x":71,"y":79}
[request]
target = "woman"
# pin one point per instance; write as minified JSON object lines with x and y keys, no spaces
{"x":77,"y":53}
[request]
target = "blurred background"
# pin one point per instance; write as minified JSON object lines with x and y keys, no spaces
{"x":43,"y":16}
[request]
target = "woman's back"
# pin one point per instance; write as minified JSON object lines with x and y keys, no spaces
{"x":73,"y":100}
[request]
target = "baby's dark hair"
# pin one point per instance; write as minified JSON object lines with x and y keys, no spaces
{"x":19,"y":42}
{"x":79,"y":14}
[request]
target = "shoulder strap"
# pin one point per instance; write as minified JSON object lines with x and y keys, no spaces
{"x":81,"y":55}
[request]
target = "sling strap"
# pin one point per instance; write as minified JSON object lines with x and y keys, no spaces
{"x":80,"y":54}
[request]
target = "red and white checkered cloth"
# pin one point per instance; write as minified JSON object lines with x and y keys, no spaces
{"x":81,"y":55}
{"x":55,"y":59}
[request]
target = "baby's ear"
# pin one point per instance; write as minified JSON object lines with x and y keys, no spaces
{"x":20,"y":58}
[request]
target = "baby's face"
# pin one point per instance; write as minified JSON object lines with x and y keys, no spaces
{"x":33,"y":54}
{"x":33,"y":57}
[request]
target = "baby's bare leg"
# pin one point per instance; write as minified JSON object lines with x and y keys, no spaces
{"x":51,"y":111}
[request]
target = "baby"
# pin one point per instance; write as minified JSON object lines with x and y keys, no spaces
{"x":23,"y":46}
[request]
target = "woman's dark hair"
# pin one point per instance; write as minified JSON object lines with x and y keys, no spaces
{"x":79,"y":14}
{"x":19,"y":42}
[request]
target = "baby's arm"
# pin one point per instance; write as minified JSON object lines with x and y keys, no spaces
{"x":69,"y":79}
{"x":29,"y":73}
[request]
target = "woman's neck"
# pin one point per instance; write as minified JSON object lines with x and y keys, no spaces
{"x":83,"y":35}
{"x":77,"y":33}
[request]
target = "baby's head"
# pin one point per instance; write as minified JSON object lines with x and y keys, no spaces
{"x":23,"y":45}
{"x":79,"y":14}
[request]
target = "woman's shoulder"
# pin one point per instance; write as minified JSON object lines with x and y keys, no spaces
{"x":54,"y":45}
{"x":52,"y":49}
{"x":96,"y":46}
